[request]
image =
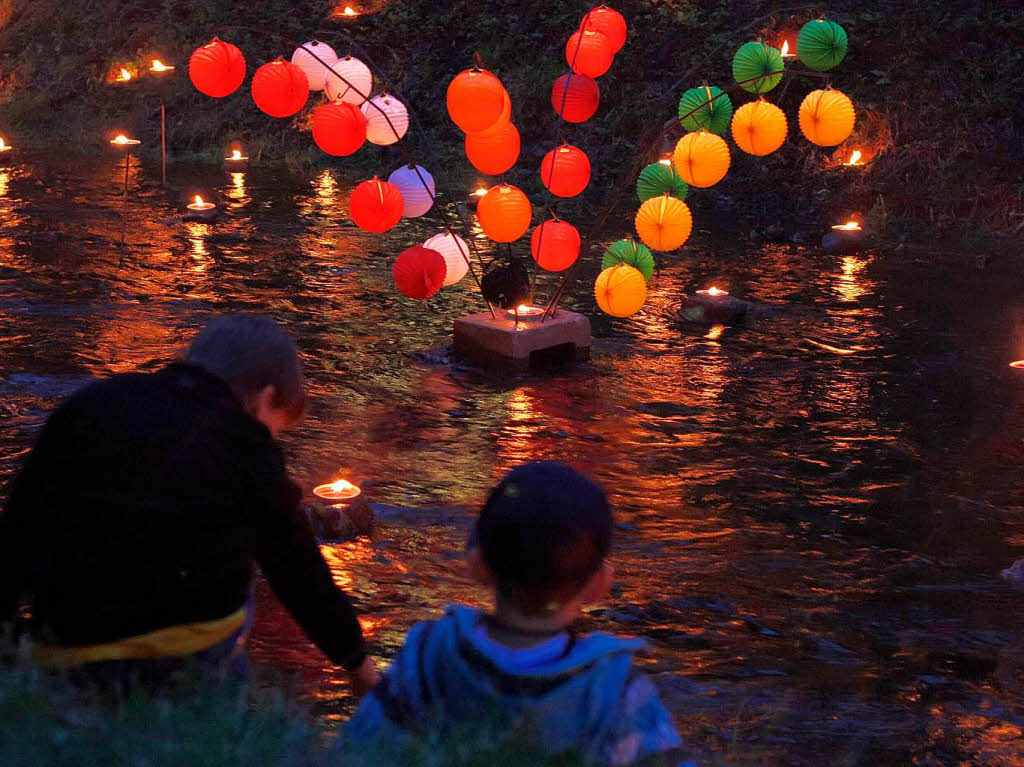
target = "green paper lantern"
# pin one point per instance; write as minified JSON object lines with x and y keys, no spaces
{"x":821,"y":44}
{"x":635,"y":254}
{"x":658,"y":179}
{"x":758,"y":60}
{"x":714,"y":117}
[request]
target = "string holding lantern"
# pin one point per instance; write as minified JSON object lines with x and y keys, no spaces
{"x":417,"y":188}
{"x":419,"y":272}
{"x":827,"y":117}
{"x":759,"y":128}
{"x":339,"y":129}
{"x":620,"y":290}
{"x":660,"y":178}
{"x":280,"y":88}
{"x":821,"y":44}
{"x":705,"y":108}
{"x":758,"y":67}
{"x":504,"y":213}
{"x":565,"y":171}
{"x":635,"y":254}
{"x":701,"y":159}
{"x":455,"y":252}
{"x":589,"y":53}
{"x":376,"y":205}
{"x":581,"y":96}
{"x":475,"y":100}
{"x":305,"y":58}
{"x":493,"y":153}
{"x":555,"y":245}
{"x":217,"y":69}
{"x":348,"y":80}
{"x":387,"y":119}
{"x":664,"y":223}
{"x":609,"y":23}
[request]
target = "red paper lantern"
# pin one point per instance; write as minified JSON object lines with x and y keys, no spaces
{"x":280,"y":88}
{"x":504,"y":213}
{"x":609,"y":23}
{"x":217,"y":68}
{"x":580,"y":95}
{"x":419,"y":272}
{"x":565,"y":171}
{"x":376,"y":206}
{"x":493,"y":154}
{"x":475,"y":100}
{"x":555,"y":245}
{"x":503,"y":119}
{"x":589,"y":53}
{"x":339,"y":129}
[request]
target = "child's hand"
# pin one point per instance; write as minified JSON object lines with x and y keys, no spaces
{"x":364,"y":678}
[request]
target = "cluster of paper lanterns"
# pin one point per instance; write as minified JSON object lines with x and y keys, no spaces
{"x":575,"y":96}
{"x":422,"y":270}
{"x":481,"y":107}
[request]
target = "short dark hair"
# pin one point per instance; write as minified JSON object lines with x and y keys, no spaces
{"x":544,"y":530}
{"x":251,"y":352}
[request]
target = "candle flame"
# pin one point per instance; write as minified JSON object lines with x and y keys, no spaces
{"x":339,"y":490}
{"x":3,"y":146}
{"x":121,"y":139}
{"x":1017,"y":365}
{"x":199,"y":200}
{"x":665,"y":161}
{"x":236,"y":154}
{"x":159,"y":66}
{"x":784,"y":50}
{"x":480,"y":192}
{"x":125,"y":75}
{"x":349,"y":11}
{"x":849,"y":226}
{"x":342,"y":485}
{"x":713,"y":291}
{"x":855,"y":158}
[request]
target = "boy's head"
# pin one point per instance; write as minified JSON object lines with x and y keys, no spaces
{"x":543,"y":535}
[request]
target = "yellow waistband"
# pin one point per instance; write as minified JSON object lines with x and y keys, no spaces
{"x":169,"y":642}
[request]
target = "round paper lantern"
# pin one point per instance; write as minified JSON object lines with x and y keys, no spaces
{"x":701,"y":159}
{"x":506,"y":285}
{"x":821,"y":44}
{"x":760,"y":61}
{"x":493,"y":153}
{"x":589,"y":53}
{"x":503,"y":119}
{"x":555,"y":245}
{"x":609,"y":23}
{"x":419,"y":272}
{"x":475,"y":99}
{"x":565,"y":171}
{"x":217,"y":68}
{"x":620,"y":290}
{"x":376,"y":205}
{"x":351,"y":81}
{"x":455,"y":252}
{"x":827,"y":117}
{"x":633,"y":253}
{"x":664,"y":223}
{"x":339,"y":129}
{"x":759,"y":128}
{"x":580,"y":95}
{"x":660,"y":178}
{"x":280,"y":88}
{"x":304,"y":59}
{"x":504,"y":213}
{"x":387,"y":119}
{"x":714,"y":109}
{"x":417,"y":198}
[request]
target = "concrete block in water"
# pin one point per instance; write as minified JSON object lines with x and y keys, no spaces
{"x":502,"y":343}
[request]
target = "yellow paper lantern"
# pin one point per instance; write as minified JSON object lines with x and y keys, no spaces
{"x":664,"y":223}
{"x":827,"y":117}
{"x":759,"y":128}
{"x":701,"y":158}
{"x":620,"y":290}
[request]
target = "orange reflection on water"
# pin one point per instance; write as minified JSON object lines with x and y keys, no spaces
{"x":342,"y":558}
{"x":848,"y":283}
{"x":237,"y":189}
{"x":5,"y":180}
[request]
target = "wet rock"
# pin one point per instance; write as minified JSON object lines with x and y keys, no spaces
{"x":1014,"y":575}
{"x":224,"y":238}
{"x":332,"y":523}
{"x":845,"y":241}
{"x":441,"y":355}
{"x":701,"y":309}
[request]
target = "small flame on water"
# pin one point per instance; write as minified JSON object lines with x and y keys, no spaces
{"x":665,"y":161}
{"x":349,"y":11}
{"x":1017,"y":365}
{"x":855,"y":158}
{"x":340,"y":489}
{"x":849,"y":226}
{"x":159,"y":66}
{"x":480,"y":192}
{"x":3,"y":146}
{"x":121,"y":140}
{"x":713,"y":291}
{"x":236,"y":154}
{"x":125,"y":76}
{"x":199,"y":201}
{"x":784,"y":50}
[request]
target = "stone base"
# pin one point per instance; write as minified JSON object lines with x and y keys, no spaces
{"x":500,"y":343}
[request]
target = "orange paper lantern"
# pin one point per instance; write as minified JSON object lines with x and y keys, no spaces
{"x":376,"y":206}
{"x":475,"y":100}
{"x":827,"y":117}
{"x":555,"y":245}
{"x":565,"y":171}
{"x":701,"y":158}
{"x":620,"y":290}
{"x":280,"y":88}
{"x":664,"y":223}
{"x":589,"y":53}
{"x":339,"y":129}
{"x":217,"y":68}
{"x":609,"y":23}
{"x":503,"y":119}
{"x":759,"y":128}
{"x":419,"y":272}
{"x":504,"y":213}
{"x":580,"y":96}
{"x":493,"y":153}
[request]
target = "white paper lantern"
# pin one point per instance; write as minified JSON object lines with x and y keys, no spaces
{"x":455,"y":252}
{"x":315,"y":71}
{"x":378,"y":130}
{"x":418,"y":199}
{"x":359,"y":77}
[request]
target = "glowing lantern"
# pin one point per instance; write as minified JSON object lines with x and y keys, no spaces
{"x":387,"y":119}
{"x":565,"y":171}
{"x":580,"y":95}
{"x":305,"y":58}
{"x":502,"y":121}
{"x":217,"y":68}
{"x":555,"y":245}
{"x":419,"y":272}
{"x":620,"y":290}
{"x":410,"y":180}
{"x":350,"y":82}
{"x":660,"y":178}
{"x":339,"y":129}
{"x":376,"y":205}
{"x":454,"y":251}
{"x":504,"y":213}
{"x":701,"y":159}
{"x":758,"y":67}
{"x":664,"y":223}
{"x":493,"y":154}
{"x":827,"y":117}
{"x":589,"y":53}
{"x":759,"y":128}
{"x":714,"y":109}
{"x":628,"y":252}
{"x":475,"y":100}
{"x":280,"y":88}
{"x":821,"y":44}
{"x":609,"y":23}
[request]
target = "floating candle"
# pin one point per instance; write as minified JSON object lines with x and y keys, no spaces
{"x":713,"y":292}
{"x":159,"y":67}
{"x":849,"y":226}
{"x":4,"y":147}
{"x":200,"y":204}
{"x":784,"y":50}
{"x":123,"y":76}
{"x":200,"y":210}
{"x":122,"y":141}
{"x":236,"y":156}
{"x":524,"y":310}
{"x":339,"y":490}
{"x":855,"y":158}
{"x":349,"y":11}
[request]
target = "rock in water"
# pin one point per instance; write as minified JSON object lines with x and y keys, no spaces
{"x":1014,"y":574}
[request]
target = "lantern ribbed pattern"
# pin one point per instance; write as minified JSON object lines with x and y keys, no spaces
{"x":635,"y":254}
{"x":217,"y":69}
{"x":315,"y":71}
{"x":565,"y":171}
{"x":713,"y":116}
{"x":339,"y":129}
{"x":759,"y":128}
{"x":827,"y":117}
{"x":493,"y":154}
{"x":609,"y":23}
{"x":664,"y":223}
{"x":378,"y":130}
{"x":701,"y":159}
{"x":589,"y":53}
{"x":475,"y":100}
{"x":761,"y":61}
{"x":659,"y":178}
{"x":555,"y":245}
{"x":504,"y":213}
{"x":417,"y":198}
{"x":419,"y":272}
{"x":280,"y":88}
{"x":356,"y":86}
{"x":455,"y":252}
{"x":821,"y":44}
{"x":581,"y":94}
{"x":376,"y":205}
{"x":620,"y":290}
